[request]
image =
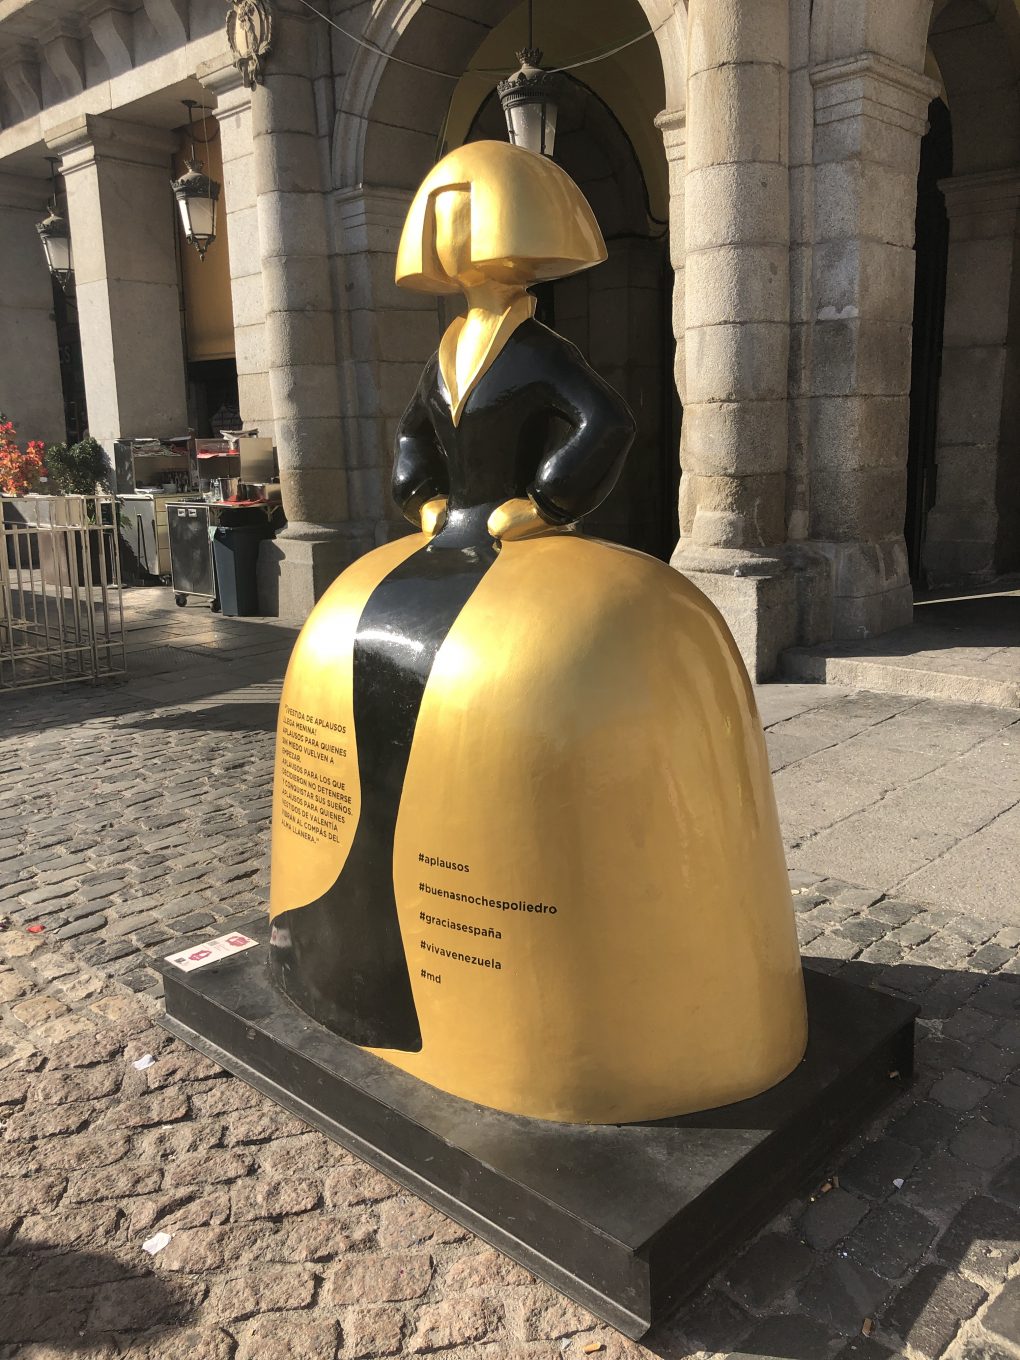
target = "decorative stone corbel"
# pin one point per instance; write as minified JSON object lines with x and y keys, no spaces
{"x":64,"y":58}
{"x":113,"y":32}
{"x":22,"y":78}
{"x":170,"y":20}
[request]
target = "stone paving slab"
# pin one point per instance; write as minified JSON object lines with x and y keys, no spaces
{"x":960,"y":649}
{"x":133,"y":812}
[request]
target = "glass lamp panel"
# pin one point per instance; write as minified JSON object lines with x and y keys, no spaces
{"x":526,"y":125}
{"x":58,"y":254}
{"x":549,"y":109}
{"x":203,"y":218}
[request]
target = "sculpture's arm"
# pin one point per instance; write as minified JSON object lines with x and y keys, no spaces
{"x":582,"y":470}
{"x":577,"y":476}
{"x":419,"y":469}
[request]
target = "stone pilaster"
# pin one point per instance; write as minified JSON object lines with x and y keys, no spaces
{"x":737,"y":320}
{"x":301,"y":357}
{"x":30,"y":391}
{"x":870,"y":115}
{"x":239,"y":218}
{"x":973,"y":530}
{"x":121,"y":216}
{"x":388,"y":335}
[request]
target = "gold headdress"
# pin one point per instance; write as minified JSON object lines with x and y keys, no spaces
{"x":528,"y":220}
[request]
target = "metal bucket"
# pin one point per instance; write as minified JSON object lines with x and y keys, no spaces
{"x":222,"y":488}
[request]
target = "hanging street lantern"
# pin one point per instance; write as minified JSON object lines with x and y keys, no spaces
{"x":55,"y":236}
{"x":530,"y":99}
{"x":197,"y":195}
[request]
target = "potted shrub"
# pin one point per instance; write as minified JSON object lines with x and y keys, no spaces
{"x":78,"y":469}
{"x":82,"y":469}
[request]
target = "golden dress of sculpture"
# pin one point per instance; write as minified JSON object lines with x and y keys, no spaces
{"x":525,"y":843}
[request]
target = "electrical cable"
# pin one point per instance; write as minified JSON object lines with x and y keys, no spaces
{"x":602,"y":56}
{"x":448,"y":75}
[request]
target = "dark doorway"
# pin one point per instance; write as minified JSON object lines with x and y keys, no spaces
{"x":931,"y":245}
{"x":619,"y":314}
{"x":212,"y":397}
{"x":72,"y":374}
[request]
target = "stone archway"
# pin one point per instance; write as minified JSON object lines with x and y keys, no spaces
{"x":382,"y":97}
{"x":973,"y":528}
{"x":618,"y":314}
{"x":388,"y":131}
{"x":845,"y":29}
{"x":391,"y":116}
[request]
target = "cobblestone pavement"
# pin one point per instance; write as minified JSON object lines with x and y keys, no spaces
{"x":132,"y":814}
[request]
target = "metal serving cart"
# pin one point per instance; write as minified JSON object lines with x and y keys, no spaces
{"x":192,"y":573}
{"x":214,"y":551}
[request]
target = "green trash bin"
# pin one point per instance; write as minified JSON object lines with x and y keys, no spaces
{"x":236,"y":556}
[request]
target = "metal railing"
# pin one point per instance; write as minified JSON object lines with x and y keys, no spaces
{"x":61,"y":608}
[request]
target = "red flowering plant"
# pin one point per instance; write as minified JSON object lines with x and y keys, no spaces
{"x":20,"y":469}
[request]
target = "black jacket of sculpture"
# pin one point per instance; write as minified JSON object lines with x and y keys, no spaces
{"x":540,"y":421}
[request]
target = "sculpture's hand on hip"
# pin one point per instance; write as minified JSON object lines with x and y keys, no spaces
{"x":518,"y":518}
{"x":433,"y":516}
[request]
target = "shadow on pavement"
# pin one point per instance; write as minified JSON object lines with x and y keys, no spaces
{"x":124,"y":704}
{"x":71,"y":1300}
{"x":922,"y":1223}
{"x":989,"y":620}
{"x":259,"y":716}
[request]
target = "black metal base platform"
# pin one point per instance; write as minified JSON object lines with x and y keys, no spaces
{"x":626,"y":1219}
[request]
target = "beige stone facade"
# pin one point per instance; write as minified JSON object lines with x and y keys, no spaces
{"x":812,"y":299}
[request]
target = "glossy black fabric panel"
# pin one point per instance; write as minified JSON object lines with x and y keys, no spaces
{"x":341,"y":958}
{"x":540,"y":421}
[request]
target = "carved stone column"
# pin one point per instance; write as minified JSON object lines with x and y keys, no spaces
{"x":301,"y":357}
{"x":737,"y":320}
{"x":120,"y":212}
{"x":870,"y":115}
